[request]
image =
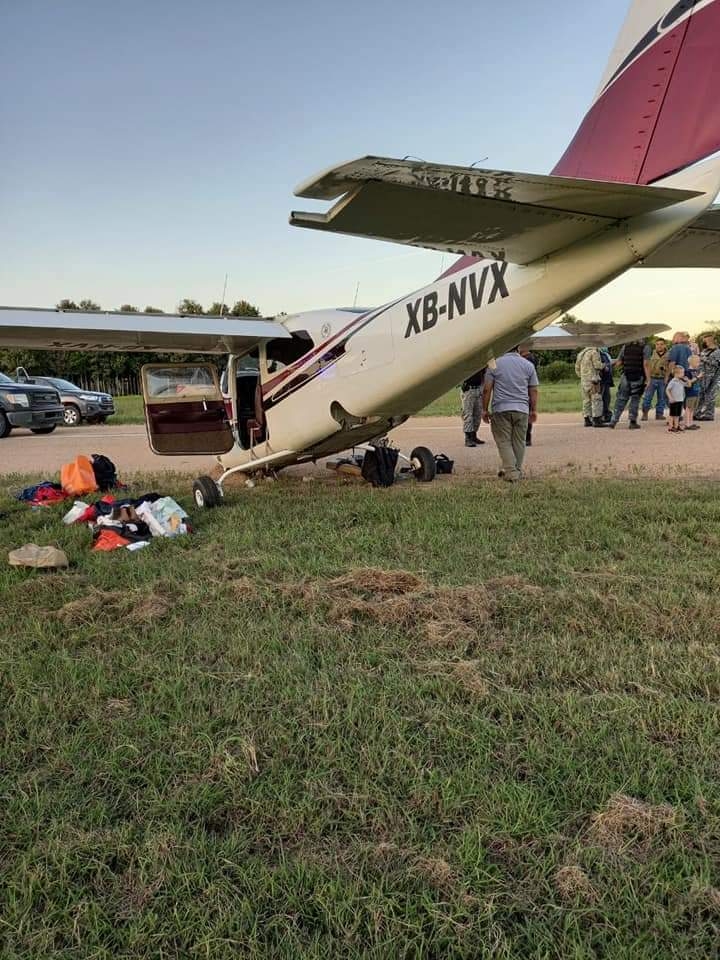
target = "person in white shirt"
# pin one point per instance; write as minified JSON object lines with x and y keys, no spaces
{"x":675,"y":391}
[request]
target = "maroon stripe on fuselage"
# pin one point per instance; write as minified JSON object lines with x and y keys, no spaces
{"x":661,"y":115}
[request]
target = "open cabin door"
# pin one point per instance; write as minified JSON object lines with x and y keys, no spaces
{"x":184,"y":409}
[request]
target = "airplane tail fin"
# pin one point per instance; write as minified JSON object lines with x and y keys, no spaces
{"x":657,"y":110}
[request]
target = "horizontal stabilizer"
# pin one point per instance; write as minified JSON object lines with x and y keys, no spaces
{"x":698,"y":246}
{"x":132,"y":332}
{"x":486,"y":213}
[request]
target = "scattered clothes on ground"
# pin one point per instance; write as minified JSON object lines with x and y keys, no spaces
{"x":132,"y":523}
{"x":115,"y":524}
{"x":110,"y":535}
{"x":42,"y":494}
{"x":43,"y":558}
{"x":75,"y":512}
{"x":164,"y":517}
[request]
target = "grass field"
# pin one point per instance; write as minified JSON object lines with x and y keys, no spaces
{"x":554,"y":398}
{"x":458,"y":721}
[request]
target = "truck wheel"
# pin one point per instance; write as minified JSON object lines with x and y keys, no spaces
{"x":206,"y":493}
{"x":43,"y":430}
{"x":72,"y":415}
{"x":5,"y":427}
{"x":423,"y":464}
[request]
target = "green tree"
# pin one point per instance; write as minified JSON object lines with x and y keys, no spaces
{"x":242,"y":308}
{"x":191,"y":307}
{"x":218,"y":309}
{"x":89,"y":305}
{"x":153,"y":310}
{"x":67,"y":305}
{"x":128,"y":308}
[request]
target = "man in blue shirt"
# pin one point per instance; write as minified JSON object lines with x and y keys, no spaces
{"x":679,"y":354}
{"x":512,"y":385}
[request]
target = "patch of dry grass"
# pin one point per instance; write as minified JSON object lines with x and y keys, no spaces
{"x":627,"y":823}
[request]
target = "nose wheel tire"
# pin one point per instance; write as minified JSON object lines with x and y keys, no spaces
{"x":423,"y":463}
{"x":206,"y":493}
{"x":71,"y":417}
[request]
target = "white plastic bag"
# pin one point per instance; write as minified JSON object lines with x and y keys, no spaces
{"x":75,"y":512}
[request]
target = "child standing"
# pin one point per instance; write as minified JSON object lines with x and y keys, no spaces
{"x":676,"y":395}
{"x":693,"y":379}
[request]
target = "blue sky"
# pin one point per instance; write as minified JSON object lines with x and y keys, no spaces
{"x":149,"y":148}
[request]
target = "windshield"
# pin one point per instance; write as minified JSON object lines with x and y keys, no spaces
{"x":4,"y":379}
{"x":60,"y":384}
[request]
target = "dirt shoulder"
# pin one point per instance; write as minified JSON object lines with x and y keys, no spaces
{"x":562,"y":446}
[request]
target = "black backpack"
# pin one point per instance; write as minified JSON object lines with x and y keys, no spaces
{"x":378,"y":466}
{"x":105,"y":472}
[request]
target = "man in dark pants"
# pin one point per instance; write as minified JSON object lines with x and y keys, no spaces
{"x":472,"y":409}
{"x":632,"y":382}
{"x":607,"y":382}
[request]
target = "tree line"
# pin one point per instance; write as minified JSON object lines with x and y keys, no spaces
{"x":117,"y":373}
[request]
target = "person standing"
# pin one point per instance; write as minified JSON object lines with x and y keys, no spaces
{"x":679,"y":353}
{"x":693,"y":380}
{"x":632,"y":382}
{"x":512,"y":386}
{"x":472,"y":408}
{"x":676,"y":398}
{"x":589,"y":367}
{"x":607,"y":382}
{"x":710,"y":365}
{"x":527,"y":354}
{"x":657,"y":369}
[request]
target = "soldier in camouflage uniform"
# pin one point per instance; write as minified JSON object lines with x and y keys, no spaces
{"x":589,"y":367}
{"x":710,"y":382}
{"x":472,"y":408}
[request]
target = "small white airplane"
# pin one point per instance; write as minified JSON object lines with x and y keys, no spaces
{"x":629,"y":191}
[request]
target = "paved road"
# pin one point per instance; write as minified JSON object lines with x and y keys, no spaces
{"x":562,"y":446}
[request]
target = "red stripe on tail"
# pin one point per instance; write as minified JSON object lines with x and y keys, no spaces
{"x":661,"y":115}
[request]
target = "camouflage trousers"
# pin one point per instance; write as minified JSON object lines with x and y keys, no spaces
{"x":706,"y":403}
{"x":472,"y":409}
{"x":592,"y":399}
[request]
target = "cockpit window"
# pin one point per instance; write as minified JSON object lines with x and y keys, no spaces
{"x":282,"y":353}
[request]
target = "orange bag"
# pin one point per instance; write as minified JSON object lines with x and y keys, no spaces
{"x":78,"y":478}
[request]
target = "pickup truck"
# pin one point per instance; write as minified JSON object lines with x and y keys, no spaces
{"x":24,"y":405}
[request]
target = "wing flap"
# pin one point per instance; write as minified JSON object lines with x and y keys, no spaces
{"x":133,"y":332}
{"x":504,"y":216}
{"x":698,"y":246}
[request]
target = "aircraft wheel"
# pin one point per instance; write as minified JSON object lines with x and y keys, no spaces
{"x":206,"y":493}
{"x":423,"y":464}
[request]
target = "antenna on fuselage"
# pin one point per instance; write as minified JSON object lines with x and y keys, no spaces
{"x":357,"y":291}
{"x":222,"y":302}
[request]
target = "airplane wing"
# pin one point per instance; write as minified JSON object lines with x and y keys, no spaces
{"x":698,"y":246}
{"x":556,"y":337}
{"x":133,"y":332}
{"x":500,"y":215}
